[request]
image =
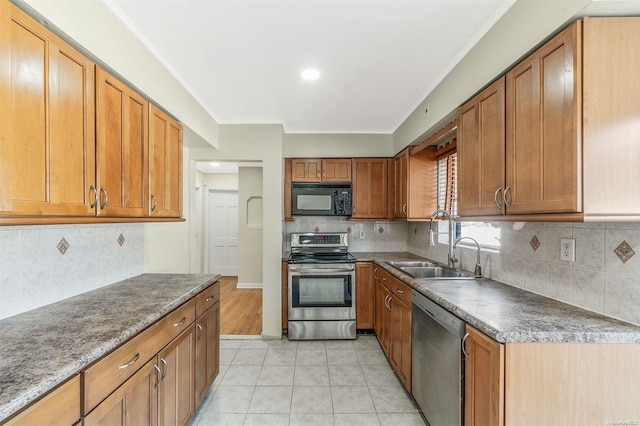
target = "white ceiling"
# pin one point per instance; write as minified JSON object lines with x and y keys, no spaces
{"x":378,"y":59}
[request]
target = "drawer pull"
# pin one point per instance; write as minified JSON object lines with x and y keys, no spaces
{"x":130,"y":363}
{"x":159,"y":375}
{"x":200,"y":331}
{"x":209,"y":299}
{"x":166,"y":368}
{"x":399,"y":291}
{"x":179,"y":323}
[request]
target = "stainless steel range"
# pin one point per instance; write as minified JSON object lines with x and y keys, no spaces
{"x":322,"y":293}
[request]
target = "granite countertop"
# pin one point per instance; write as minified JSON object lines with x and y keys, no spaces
{"x":46,"y":346}
{"x":508,"y":314}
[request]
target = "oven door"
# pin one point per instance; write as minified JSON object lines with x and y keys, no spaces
{"x":322,"y":292}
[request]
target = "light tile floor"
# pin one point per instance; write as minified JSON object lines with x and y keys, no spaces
{"x":336,"y":382}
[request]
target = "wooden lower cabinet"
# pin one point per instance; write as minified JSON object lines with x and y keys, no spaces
{"x":64,"y":401}
{"x":176,"y":402}
{"x":365,"y":295}
{"x":484,"y":380}
{"x":135,"y":402}
{"x":207,"y":351}
{"x":393,"y":323}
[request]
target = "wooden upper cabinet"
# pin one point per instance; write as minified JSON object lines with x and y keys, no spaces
{"x":47,"y":137}
{"x":165,"y":164}
{"x":321,"y":170}
{"x":543,"y":149}
{"x":481,"y":148}
{"x":122,"y":119}
{"x":370,"y":188}
{"x":415,"y":176}
{"x":610,"y":118}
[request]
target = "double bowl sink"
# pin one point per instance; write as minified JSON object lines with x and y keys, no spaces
{"x":425,"y":269}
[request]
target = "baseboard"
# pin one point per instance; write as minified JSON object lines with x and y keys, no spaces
{"x":249,"y":285}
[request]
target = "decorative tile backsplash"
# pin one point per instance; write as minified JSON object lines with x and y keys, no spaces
{"x":43,"y":264}
{"x":605,"y":277}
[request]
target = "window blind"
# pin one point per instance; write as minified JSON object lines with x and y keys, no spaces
{"x":447,"y":177}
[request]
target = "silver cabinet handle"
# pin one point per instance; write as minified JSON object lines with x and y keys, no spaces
{"x":155,"y":202}
{"x":404,"y":208}
{"x":166,"y":368}
{"x":375,"y":273}
{"x":95,"y":196}
{"x":200,"y":330}
{"x":130,"y":363}
{"x":495,"y":198}
{"x":179,"y":323}
{"x":504,"y":197}
{"x":464,"y":340}
{"x":399,"y":291}
{"x":106,"y":197}
{"x":159,"y":375}
{"x":209,"y":299}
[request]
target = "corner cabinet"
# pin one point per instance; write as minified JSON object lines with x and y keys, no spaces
{"x":370,"y":196}
{"x":47,"y":138}
{"x":122,"y":148}
{"x":165,"y":164}
{"x":414,"y":176}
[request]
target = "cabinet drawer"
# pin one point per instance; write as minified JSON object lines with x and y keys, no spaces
{"x":207,"y":298}
{"x":382,"y":276}
{"x":401,"y":290}
{"x":110,"y":372}
{"x":63,"y":401}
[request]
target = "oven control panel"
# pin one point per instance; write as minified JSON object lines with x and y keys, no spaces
{"x":334,"y":239}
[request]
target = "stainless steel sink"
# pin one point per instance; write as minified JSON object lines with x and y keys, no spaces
{"x":434,"y":272}
{"x":411,"y":264}
{"x":424,"y":269}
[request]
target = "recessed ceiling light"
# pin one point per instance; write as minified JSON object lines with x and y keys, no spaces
{"x":215,"y":164}
{"x":310,"y":74}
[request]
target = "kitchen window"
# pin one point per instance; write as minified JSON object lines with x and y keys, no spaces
{"x":487,"y":235}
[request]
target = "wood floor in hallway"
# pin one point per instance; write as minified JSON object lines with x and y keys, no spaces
{"x":240,"y":308}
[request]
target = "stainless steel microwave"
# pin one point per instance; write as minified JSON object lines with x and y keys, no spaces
{"x":321,"y":199}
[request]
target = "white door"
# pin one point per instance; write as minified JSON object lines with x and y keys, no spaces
{"x":198,"y":230}
{"x":222,"y":211}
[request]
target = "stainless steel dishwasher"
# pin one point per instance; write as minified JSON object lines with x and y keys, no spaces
{"x":436,"y":361}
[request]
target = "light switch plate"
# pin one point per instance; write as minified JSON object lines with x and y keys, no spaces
{"x":568,"y":249}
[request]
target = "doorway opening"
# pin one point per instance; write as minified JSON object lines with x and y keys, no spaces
{"x":229,"y":240}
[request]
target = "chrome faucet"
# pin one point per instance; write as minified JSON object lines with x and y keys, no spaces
{"x":451,"y":257}
{"x":478,"y":269}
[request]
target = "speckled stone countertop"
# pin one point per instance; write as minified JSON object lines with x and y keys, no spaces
{"x":508,"y":314}
{"x":46,"y":346}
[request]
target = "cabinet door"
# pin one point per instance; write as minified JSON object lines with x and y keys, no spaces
{"x":47,"y":138}
{"x":484,"y":380}
{"x":400,"y":167}
{"x":400,"y":340}
{"x":481,"y":160}
{"x":133,"y":403}
{"x":176,"y":401}
{"x":306,"y":170}
{"x":207,"y":351}
{"x":336,"y":170}
{"x":165,"y":164}
{"x":365,"y":295}
{"x":381,"y":325}
{"x":542,"y":141}
{"x":122,"y":148}
{"x":369,"y":188}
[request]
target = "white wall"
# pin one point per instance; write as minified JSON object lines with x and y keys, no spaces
{"x":521,"y":28}
{"x":337,"y":145}
{"x":260,"y":143}
{"x":226,"y":181}
{"x":250,"y":212}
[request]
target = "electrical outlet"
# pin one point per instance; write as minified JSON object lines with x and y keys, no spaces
{"x":362,"y":235}
{"x":568,"y":249}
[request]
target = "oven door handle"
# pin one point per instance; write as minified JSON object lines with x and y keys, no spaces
{"x":322,"y":270}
